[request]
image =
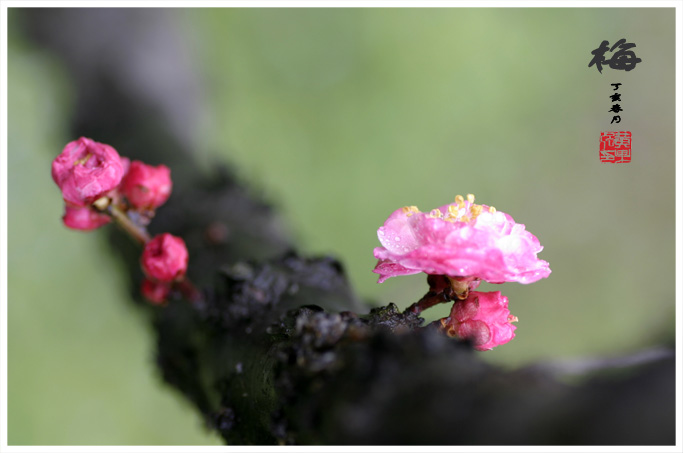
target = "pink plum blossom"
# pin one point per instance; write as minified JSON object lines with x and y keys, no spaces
{"x":482,"y":318}
{"x":461,"y":240}
{"x":86,"y":170}
{"x":84,"y":218}
{"x":165,"y":258}
{"x":145,"y":186}
{"x":155,"y":292}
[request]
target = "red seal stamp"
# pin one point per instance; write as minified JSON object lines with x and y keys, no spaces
{"x":615,"y":147}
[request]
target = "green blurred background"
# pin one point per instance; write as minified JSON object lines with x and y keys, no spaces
{"x":338,"y":117}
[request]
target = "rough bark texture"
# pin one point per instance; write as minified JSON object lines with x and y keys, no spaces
{"x":281,"y":350}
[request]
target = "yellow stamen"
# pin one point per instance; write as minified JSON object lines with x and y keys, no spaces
{"x":83,"y":160}
{"x":464,"y":219}
{"x":436,"y":214}
{"x":475,"y":209}
{"x":470,"y":198}
{"x":459,"y":199}
{"x":492,"y":210}
{"x":410,"y":210}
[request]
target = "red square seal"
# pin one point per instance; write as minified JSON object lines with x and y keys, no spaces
{"x":615,"y":147}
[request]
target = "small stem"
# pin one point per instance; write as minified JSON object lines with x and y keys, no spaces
{"x":429,"y":300}
{"x":140,"y":234}
{"x":189,"y":291}
{"x":185,"y":286}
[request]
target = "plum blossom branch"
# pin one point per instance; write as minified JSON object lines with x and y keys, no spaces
{"x":458,"y":246}
{"x":98,"y":185}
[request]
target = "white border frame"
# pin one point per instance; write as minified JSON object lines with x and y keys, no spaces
{"x":4,"y":5}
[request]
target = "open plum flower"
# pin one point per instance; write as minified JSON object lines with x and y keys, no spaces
{"x":459,"y":245}
{"x":462,"y":240}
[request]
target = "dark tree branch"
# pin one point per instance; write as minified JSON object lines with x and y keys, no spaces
{"x":279,"y":350}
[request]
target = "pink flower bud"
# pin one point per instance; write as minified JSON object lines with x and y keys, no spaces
{"x":86,"y":170}
{"x":483,"y":318}
{"x":165,"y":258}
{"x":85,"y":219}
{"x":155,"y":292}
{"x":146,"y":187}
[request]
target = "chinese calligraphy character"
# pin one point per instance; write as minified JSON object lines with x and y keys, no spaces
{"x":615,"y":97}
{"x":616,"y":108}
{"x":616,"y":86}
{"x":624,"y":59}
{"x":599,"y":57}
{"x":616,"y":118}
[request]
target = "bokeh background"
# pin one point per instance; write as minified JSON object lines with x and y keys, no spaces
{"x":338,"y":117}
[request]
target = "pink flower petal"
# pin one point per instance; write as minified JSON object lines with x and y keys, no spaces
{"x":459,"y":240}
{"x":165,"y":258}
{"x":86,"y":170}
{"x":84,"y":219}
{"x":483,"y":318}
{"x":145,"y":186}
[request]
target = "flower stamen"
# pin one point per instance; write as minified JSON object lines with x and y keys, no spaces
{"x":460,"y":201}
{"x":83,"y":160}
{"x":475,"y":210}
{"x":410,"y":210}
{"x":435,"y":214}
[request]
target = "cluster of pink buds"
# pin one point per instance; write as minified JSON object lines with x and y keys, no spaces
{"x":459,"y":245}
{"x":99,"y":186}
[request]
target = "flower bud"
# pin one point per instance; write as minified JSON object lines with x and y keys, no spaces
{"x":155,"y":292}
{"x":165,"y":258}
{"x":85,"y":170}
{"x":482,"y":318}
{"x":85,"y":219}
{"x":145,"y":186}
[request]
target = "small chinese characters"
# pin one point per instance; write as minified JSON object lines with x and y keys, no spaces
{"x":615,"y":147}
{"x":616,"y":108}
{"x":623,"y":59}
